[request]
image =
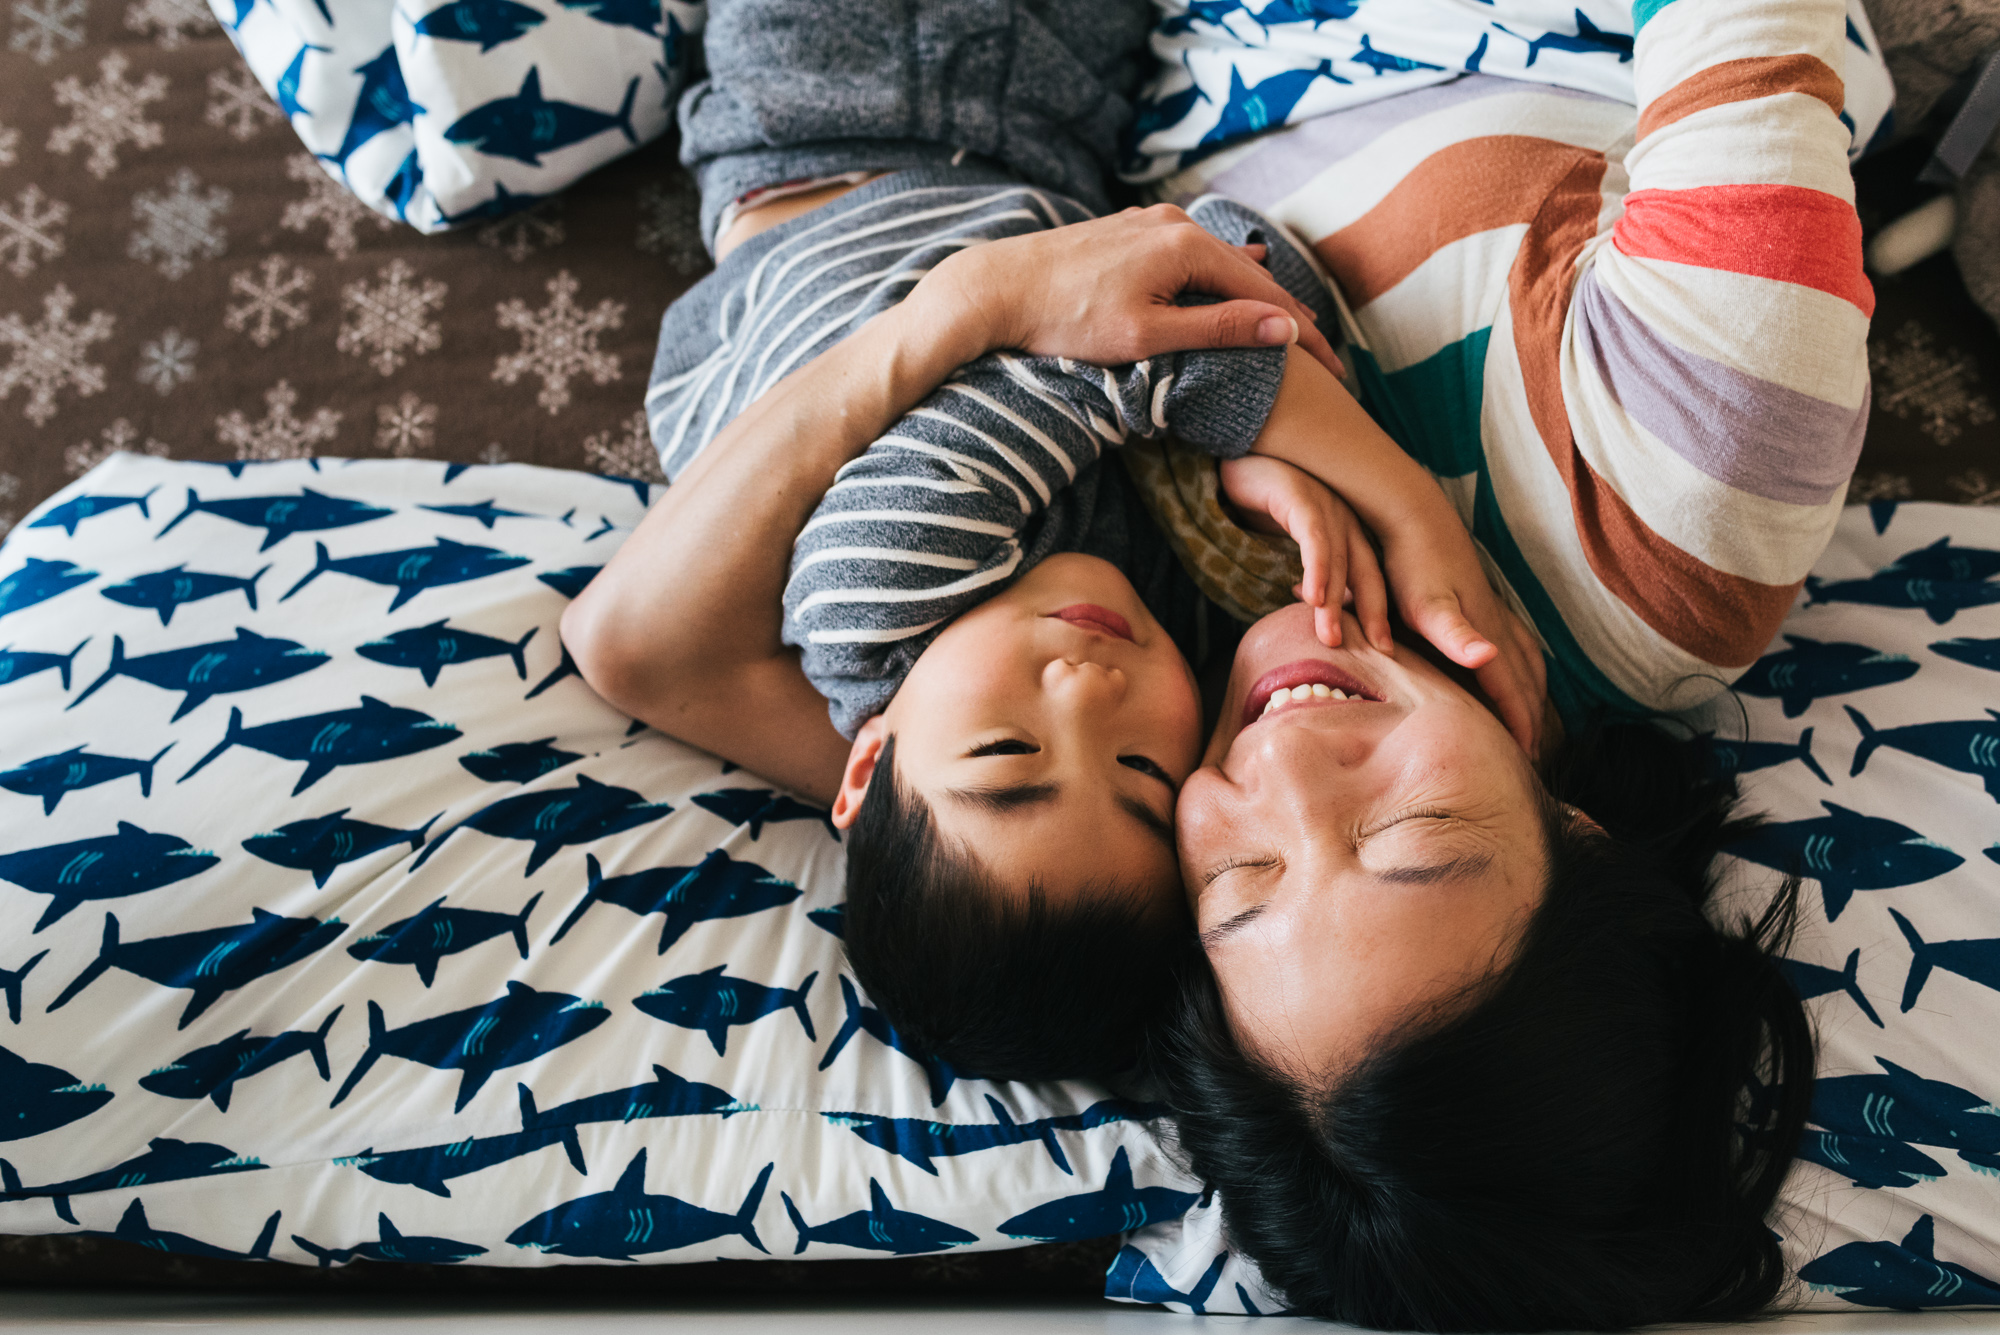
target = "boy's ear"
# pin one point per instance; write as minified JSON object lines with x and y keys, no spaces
{"x":854,"y":779}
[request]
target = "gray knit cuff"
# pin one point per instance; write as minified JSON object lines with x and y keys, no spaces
{"x":1220,"y":400}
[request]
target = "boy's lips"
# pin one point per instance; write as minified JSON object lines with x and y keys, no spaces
{"x":1089,"y":616}
{"x":1306,"y":672}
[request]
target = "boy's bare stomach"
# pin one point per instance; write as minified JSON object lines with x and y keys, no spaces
{"x":763,"y":217}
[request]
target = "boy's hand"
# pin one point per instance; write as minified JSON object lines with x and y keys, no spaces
{"x":1340,"y":564}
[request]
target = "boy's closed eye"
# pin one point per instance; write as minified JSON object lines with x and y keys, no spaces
{"x":1016,"y":798}
{"x":1015,"y":747}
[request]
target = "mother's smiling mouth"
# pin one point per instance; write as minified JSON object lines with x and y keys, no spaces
{"x":1320,"y":680}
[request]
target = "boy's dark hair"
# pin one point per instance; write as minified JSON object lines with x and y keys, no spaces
{"x":1016,"y":989}
{"x":1590,"y":1140}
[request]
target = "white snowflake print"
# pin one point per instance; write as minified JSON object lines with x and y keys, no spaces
{"x":1878,"y":487}
{"x":167,"y":361}
{"x":392,"y":319}
{"x":558,"y":341}
{"x":328,"y":202}
{"x":1939,"y":388}
{"x":52,"y":354}
{"x":406,"y":427}
{"x":170,"y":21}
{"x":85,"y":455}
{"x":10,"y":487}
{"x":493,"y":455}
{"x":180,"y":225}
{"x":670,"y":225}
{"x":280,"y":435}
{"x":519,"y":235}
{"x":626,"y":451}
{"x":10,"y":145}
{"x":108,"y":113}
{"x":1976,"y":487}
{"x":44,"y":29}
{"x":238,"y":103}
{"x":271,"y":297}
{"x":31,"y":231}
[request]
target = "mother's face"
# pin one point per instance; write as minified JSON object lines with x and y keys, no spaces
{"x":1350,"y":862}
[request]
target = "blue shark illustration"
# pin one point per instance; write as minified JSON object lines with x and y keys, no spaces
{"x":1882,"y":514}
{"x":1978,"y":653}
{"x":570,"y":581}
{"x":382,"y":104}
{"x":323,"y":843}
{"x":291,"y":78}
{"x":565,"y":668}
{"x":1816,"y":980}
{"x":132,"y":1227}
{"x":1902,"y":1105}
{"x":527,"y":125}
{"x":166,"y":590}
{"x":211,"y":1072}
{"x":1215,"y":13}
{"x":1971,"y":746}
{"x":430,"y":648}
{"x":1942,"y":561}
{"x":1589,"y":38}
{"x":430,"y":1167}
{"x":369,"y":732}
{"x":712,"y":1002}
{"x":36,"y":1098}
{"x":1810,"y":670}
{"x":1384,"y":63}
{"x":487,"y":22}
{"x":412,"y":570}
{"x":19,"y":664}
{"x":424,"y":938}
{"x":554,"y":817}
{"x":79,"y":508}
{"x":832,"y":920}
{"x":50,"y":777}
{"x":37,"y":581}
{"x":920,"y":1141}
{"x":1940,"y":600}
{"x":867,"y":1020}
{"x":1118,"y":1207}
{"x":1845,"y":852}
{"x":716,"y":887}
{"x":517,"y":762}
{"x":1157,"y":115}
{"x":1854,"y":34}
{"x":604,"y":526}
{"x":488,"y":514}
{"x":403,"y":184}
{"x":1251,"y":110}
{"x":282,"y":516}
{"x":1907,"y":1277}
{"x":220,"y":667}
{"x":391,"y":1245}
{"x":1978,"y":960}
{"x":1747,"y":757}
{"x":1134,"y":1277}
{"x":518,"y":1027}
{"x":164,"y":1161}
{"x":757,"y":807}
{"x":667,"y":1095}
{"x":210,"y":961}
{"x":625,"y":1221}
{"x":1472,"y":63}
{"x":641,"y":14}
{"x":243,"y":8}
{"x":10,"y":984}
{"x":879,"y":1228}
{"x":110,"y":866}
{"x":503,"y":203}
{"x":1869,"y":1161}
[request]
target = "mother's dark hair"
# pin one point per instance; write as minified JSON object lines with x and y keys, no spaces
{"x":1589,"y":1140}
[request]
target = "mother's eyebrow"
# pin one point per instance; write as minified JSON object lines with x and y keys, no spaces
{"x":1462,"y":866}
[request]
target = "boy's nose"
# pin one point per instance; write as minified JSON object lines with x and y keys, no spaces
{"x":1083,"y":683}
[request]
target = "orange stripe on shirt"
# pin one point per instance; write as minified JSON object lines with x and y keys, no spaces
{"x":1743,"y":81}
{"x":1784,"y":232}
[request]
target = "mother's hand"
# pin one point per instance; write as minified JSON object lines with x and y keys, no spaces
{"x":1104,"y":291}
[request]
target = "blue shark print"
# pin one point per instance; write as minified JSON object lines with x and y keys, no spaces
{"x":527,"y":125}
{"x":36,"y":1098}
{"x":19,"y":664}
{"x":1942,"y":561}
{"x":164,"y":1161}
{"x":50,"y":777}
{"x":625,"y":1221}
{"x":289,"y":81}
{"x":712,"y":1001}
{"x":487,"y":513}
{"x":110,"y":866}
{"x":166,"y":590}
{"x":323,"y":843}
{"x":370,"y":732}
{"x":1119,"y":1207}
{"x":211,"y":1072}
{"x":1869,"y":1161}
{"x":132,"y":1227}
{"x":10,"y":984}
{"x":220,"y":667}
{"x":430,"y":648}
{"x":566,"y":668}
{"x":1903,"y":1105}
{"x":479,"y":1040}
{"x":1746,"y":757}
{"x":1846,"y":851}
{"x":1589,"y":38}
{"x":282,"y":516}
{"x":1250,"y":110}
{"x":834,"y":920}
{"x":402,"y":187}
{"x":569,"y":582}
{"x":424,"y":938}
{"x":555,"y":817}
{"x":382,"y":104}
{"x":1971,"y":746}
{"x":208,"y":962}
{"x":919,"y":1141}
{"x":716,"y":887}
{"x":77,"y":509}
{"x":879,"y":1228}
{"x":430,"y":1167}
{"x":604,"y":526}
{"x":1214,"y":13}
{"x":667,"y":1095}
{"x":1384,"y":63}
{"x":410,"y":571}
{"x":1978,"y":960}
{"x":1158,"y":115}
{"x":1941,"y":600}
{"x":756,"y":807}
{"x":37,"y":581}
{"x":641,"y":14}
{"x":1881,"y":514}
{"x":394,"y":1246}
{"x":487,"y":22}
{"x":1133,"y":1276}
{"x":517,"y":762}
{"x":866,"y":1019}
{"x":243,"y":8}
{"x":1977,"y":653}
{"x":504,"y":202}
{"x":1815,"y":980}
{"x":1905,"y":1277}
{"x":1810,"y":670}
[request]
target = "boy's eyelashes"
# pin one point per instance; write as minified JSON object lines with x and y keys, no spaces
{"x":1012,"y":746}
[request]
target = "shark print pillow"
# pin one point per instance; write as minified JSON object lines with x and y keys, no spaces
{"x":340,"y":919}
{"x":445,"y":112}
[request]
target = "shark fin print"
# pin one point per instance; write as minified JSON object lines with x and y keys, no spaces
{"x":10,"y":984}
{"x":378,"y":1029}
{"x":746,"y":1215}
{"x":798,"y":1223}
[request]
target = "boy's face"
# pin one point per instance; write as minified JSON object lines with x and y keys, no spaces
{"x":1046,"y":736}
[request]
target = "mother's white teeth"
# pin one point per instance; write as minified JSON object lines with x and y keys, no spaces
{"x":1315,"y":691}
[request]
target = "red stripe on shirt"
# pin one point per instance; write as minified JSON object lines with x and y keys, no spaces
{"x":1784,"y":232}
